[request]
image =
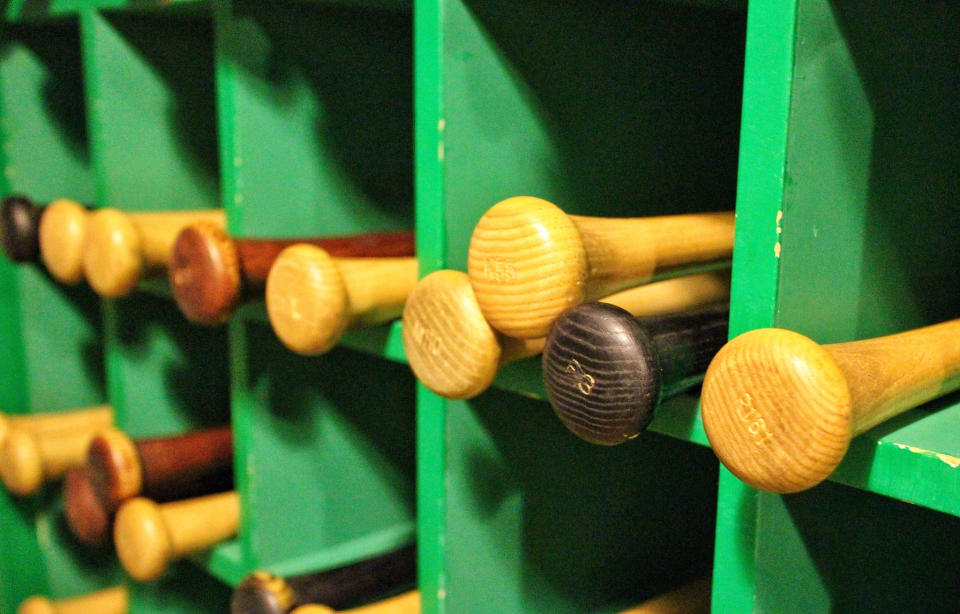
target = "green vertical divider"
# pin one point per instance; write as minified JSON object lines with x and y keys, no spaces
{"x":150,"y":94}
{"x":44,"y":155}
{"x":848,"y":166}
{"x":316,"y":128}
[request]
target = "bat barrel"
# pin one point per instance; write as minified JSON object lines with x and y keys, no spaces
{"x":211,"y":273}
{"x":606,"y":371}
{"x":312,"y":299}
{"x":265,"y":593}
{"x":780,"y":410}
{"x":529,"y":261}
{"x":87,"y":418}
{"x":19,"y":228}
{"x":120,"y":248}
{"x":149,"y":536}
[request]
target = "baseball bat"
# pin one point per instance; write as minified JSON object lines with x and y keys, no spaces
{"x":264,"y":593}
{"x":780,"y":409}
{"x":211,"y":273}
{"x":121,"y":248}
{"x":313,"y":298}
{"x":606,"y":371}
{"x":405,"y":603}
{"x":455,"y":353}
{"x":149,"y":536}
{"x":43,"y":451}
{"x":114,"y":600}
{"x":118,"y":468}
{"x":529,"y":261}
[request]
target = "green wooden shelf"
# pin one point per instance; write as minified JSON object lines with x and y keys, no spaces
{"x":829,"y":124}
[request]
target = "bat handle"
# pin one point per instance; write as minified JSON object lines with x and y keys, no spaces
{"x":313,"y":298}
{"x":405,"y":603}
{"x":149,"y":536}
{"x":122,"y":248}
{"x":87,"y":419}
{"x":27,"y":460}
{"x":529,"y":261}
{"x":114,"y":600}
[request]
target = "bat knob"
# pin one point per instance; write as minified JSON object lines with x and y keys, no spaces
{"x":19,"y":219}
{"x":314,"y":609}
{"x":37,"y":605}
{"x":777,"y":410}
{"x":63,"y":230}
{"x":262,"y":593}
{"x":205,"y":274}
{"x":88,"y":519}
{"x":450,"y":346}
{"x":307,"y":300}
{"x":114,"y":467}
{"x":527,"y":265}
{"x":21,"y":463}
{"x":601,"y":374}
{"x":143,"y":543}
{"x":112,"y":258}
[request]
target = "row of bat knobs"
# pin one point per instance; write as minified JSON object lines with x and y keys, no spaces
{"x":625,"y":312}
{"x":168,"y":497}
{"x":778,"y":409}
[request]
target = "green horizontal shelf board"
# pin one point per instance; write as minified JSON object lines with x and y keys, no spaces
{"x":224,"y":562}
{"x":913,"y":458}
{"x":346,"y":553}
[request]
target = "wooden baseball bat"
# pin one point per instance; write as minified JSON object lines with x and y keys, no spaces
{"x":529,"y":261}
{"x":149,"y":536}
{"x":606,"y":371}
{"x":44,"y":450}
{"x":454,"y":351}
{"x":210,"y":272}
{"x":405,"y":603}
{"x":87,"y":418}
{"x":313,"y":298}
{"x":122,"y":248}
{"x":162,"y":469}
{"x":780,"y":409}
{"x":114,"y":600}
{"x":19,"y":228}
{"x":264,"y":593}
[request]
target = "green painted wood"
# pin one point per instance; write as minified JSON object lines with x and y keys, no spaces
{"x":618,"y":130}
{"x":320,"y":440}
{"x":767,"y":80}
{"x":316,"y":117}
{"x":540,"y":521}
{"x":151,"y":104}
